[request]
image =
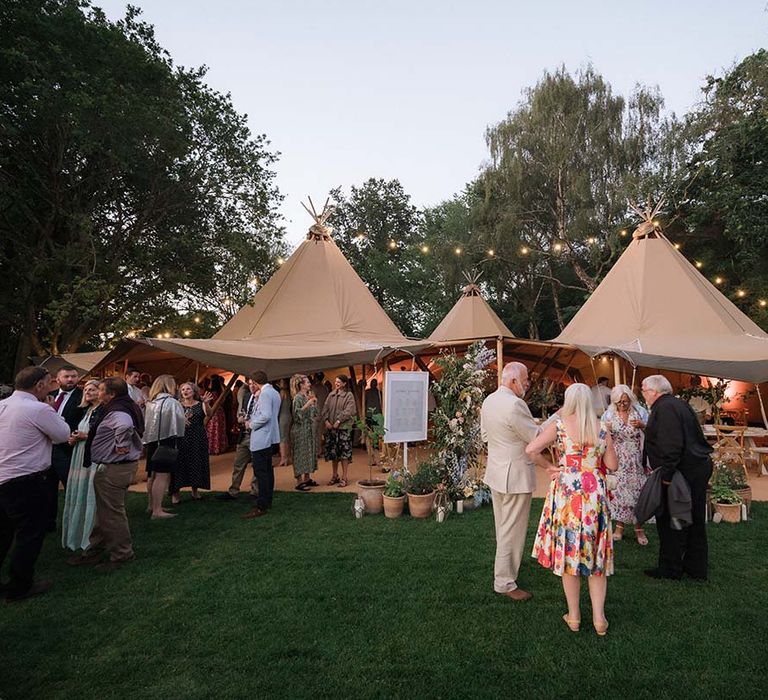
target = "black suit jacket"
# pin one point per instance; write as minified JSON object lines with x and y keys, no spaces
{"x":72,"y":414}
{"x":674,"y":439}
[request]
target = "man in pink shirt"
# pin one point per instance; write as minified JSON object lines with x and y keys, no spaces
{"x":29,"y":427}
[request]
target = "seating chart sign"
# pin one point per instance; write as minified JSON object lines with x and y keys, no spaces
{"x":405,"y":406}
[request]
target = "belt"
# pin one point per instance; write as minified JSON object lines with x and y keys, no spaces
{"x":124,"y":461}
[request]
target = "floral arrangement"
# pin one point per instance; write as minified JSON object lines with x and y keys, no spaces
{"x":456,"y":433}
{"x":723,"y":475}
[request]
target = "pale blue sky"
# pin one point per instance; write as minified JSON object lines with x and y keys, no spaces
{"x":351,"y":89}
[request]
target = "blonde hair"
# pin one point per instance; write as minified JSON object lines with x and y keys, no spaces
{"x":296,"y":381}
{"x":90,"y":382}
{"x":195,"y":389}
{"x":578,"y":402}
{"x":619,"y":390}
{"x":164,"y":384}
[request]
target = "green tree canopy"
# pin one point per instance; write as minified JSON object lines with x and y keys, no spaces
{"x":128,"y":188}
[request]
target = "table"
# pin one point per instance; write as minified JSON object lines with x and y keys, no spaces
{"x":749,"y":443}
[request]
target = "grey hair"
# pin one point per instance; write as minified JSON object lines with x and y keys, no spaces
{"x":658,"y":383}
{"x":619,"y":390}
{"x":512,"y":370}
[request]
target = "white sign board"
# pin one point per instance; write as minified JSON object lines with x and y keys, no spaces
{"x":405,"y":406}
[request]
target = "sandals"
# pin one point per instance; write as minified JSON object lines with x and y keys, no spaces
{"x":573,"y":625}
{"x":342,"y":483}
{"x":303,"y":486}
{"x":618,"y":534}
{"x":312,"y":482}
{"x":600,"y":627}
{"x":334,"y":480}
{"x":642,"y":539}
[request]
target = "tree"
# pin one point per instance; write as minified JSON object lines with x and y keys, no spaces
{"x":128,"y":188}
{"x":379,"y":231}
{"x":562,"y":167}
{"x":720,"y":194}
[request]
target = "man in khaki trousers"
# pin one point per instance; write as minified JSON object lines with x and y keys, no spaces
{"x":507,"y":426}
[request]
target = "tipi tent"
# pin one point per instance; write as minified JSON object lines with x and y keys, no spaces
{"x":314,"y":313}
{"x":656,"y":310}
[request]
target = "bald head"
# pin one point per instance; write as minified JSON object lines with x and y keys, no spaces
{"x":514,"y":376}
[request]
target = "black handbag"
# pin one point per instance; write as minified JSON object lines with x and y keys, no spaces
{"x":164,"y":456}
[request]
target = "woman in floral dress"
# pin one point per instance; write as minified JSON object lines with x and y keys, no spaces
{"x":303,"y":441}
{"x":626,"y":419}
{"x":217,"y":423}
{"x":574,"y":534}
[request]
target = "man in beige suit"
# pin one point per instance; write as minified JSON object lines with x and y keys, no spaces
{"x":507,"y":426}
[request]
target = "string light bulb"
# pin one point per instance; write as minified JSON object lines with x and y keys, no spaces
{"x":591,"y":240}
{"x":623,"y":233}
{"x":187,"y":333}
{"x":763,"y":303}
{"x":166,"y":335}
{"x":557,"y":247}
{"x":425,"y":248}
{"x":524,"y":250}
{"x":159,"y":335}
{"x":491,"y":252}
{"x":197,"y":319}
{"x":718,"y":280}
{"x":280,"y":261}
{"x":457,"y":251}
{"x":699,"y":264}
{"x":392,"y":245}
{"x":677,"y":246}
{"x":741,"y":293}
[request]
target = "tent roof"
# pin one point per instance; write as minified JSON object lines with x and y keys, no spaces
{"x":471,"y":318}
{"x":655,"y":309}
{"x":314,"y":313}
{"x":84,"y":361}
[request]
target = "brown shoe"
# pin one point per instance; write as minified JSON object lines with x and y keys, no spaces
{"x":107,"y":567}
{"x":255,"y":513}
{"x":85,"y":559}
{"x":518,"y":594}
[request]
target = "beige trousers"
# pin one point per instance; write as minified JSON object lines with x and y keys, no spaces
{"x":111,"y":531}
{"x":510,"y":515}
{"x":242,"y":460}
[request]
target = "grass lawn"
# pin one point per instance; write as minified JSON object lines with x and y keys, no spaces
{"x":309,"y":602}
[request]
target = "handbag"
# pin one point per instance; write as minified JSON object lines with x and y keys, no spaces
{"x":164,"y":456}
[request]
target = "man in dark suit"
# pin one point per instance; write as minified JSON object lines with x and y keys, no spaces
{"x":674,"y":441}
{"x":66,"y":402}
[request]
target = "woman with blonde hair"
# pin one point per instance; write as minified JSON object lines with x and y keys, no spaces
{"x":625,"y":418}
{"x":164,"y":424}
{"x":303,"y":441}
{"x":193,"y":466}
{"x":573,"y":538}
{"x":79,"y":497}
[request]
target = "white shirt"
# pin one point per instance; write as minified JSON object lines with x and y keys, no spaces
{"x":29,"y":427}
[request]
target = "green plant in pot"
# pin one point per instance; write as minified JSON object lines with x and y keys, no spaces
{"x":421,"y":490}
{"x":731,"y":476}
{"x":394,"y":493}
{"x":727,"y":503}
{"x":371,"y":490}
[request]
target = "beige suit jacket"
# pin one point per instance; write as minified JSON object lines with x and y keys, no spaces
{"x":507,"y":426}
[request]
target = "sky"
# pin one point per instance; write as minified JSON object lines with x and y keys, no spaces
{"x":347,"y":90}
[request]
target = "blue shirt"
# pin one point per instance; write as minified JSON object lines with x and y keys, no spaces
{"x":265,"y":427}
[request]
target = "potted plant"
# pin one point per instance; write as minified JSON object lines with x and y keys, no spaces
{"x":394,"y":494}
{"x":732,"y":477}
{"x":421,"y":490}
{"x":727,"y":502}
{"x":371,"y":490}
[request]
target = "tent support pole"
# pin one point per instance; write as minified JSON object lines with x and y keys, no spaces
{"x":423,"y":367}
{"x":762,"y":406}
{"x":616,"y":370}
{"x":499,"y":359}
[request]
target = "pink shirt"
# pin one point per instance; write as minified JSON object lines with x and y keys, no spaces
{"x":28,"y":427}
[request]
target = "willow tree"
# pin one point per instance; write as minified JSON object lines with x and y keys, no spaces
{"x":563,"y":165}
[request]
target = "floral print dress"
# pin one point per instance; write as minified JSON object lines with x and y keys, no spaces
{"x":574,"y":533}
{"x":630,"y":477}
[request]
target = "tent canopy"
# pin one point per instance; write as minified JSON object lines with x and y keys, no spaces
{"x":656,"y":310}
{"x":314,"y":313}
{"x":471,"y":318}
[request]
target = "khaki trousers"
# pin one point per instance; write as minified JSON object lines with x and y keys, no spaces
{"x":242,"y":460}
{"x":510,"y":515}
{"x":111,"y":531}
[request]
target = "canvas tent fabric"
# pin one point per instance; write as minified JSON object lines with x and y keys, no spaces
{"x":656,"y":310}
{"x":471,"y":318}
{"x":314,"y":313}
{"x":84,"y":361}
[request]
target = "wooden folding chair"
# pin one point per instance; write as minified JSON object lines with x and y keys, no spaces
{"x":729,"y":445}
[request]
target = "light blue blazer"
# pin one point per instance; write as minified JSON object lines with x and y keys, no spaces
{"x":265,"y":427}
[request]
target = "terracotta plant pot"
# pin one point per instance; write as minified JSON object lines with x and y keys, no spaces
{"x":731,"y":512}
{"x":421,"y":506}
{"x":393,"y":505}
{"x":372,"y":493}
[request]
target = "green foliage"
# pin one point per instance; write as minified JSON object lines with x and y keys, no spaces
{"x":425,"y":479}
{"x":724,"y":495}
{"x":128,"y":187}
{"x":728,"y":477}
{"x":397,"y":484}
